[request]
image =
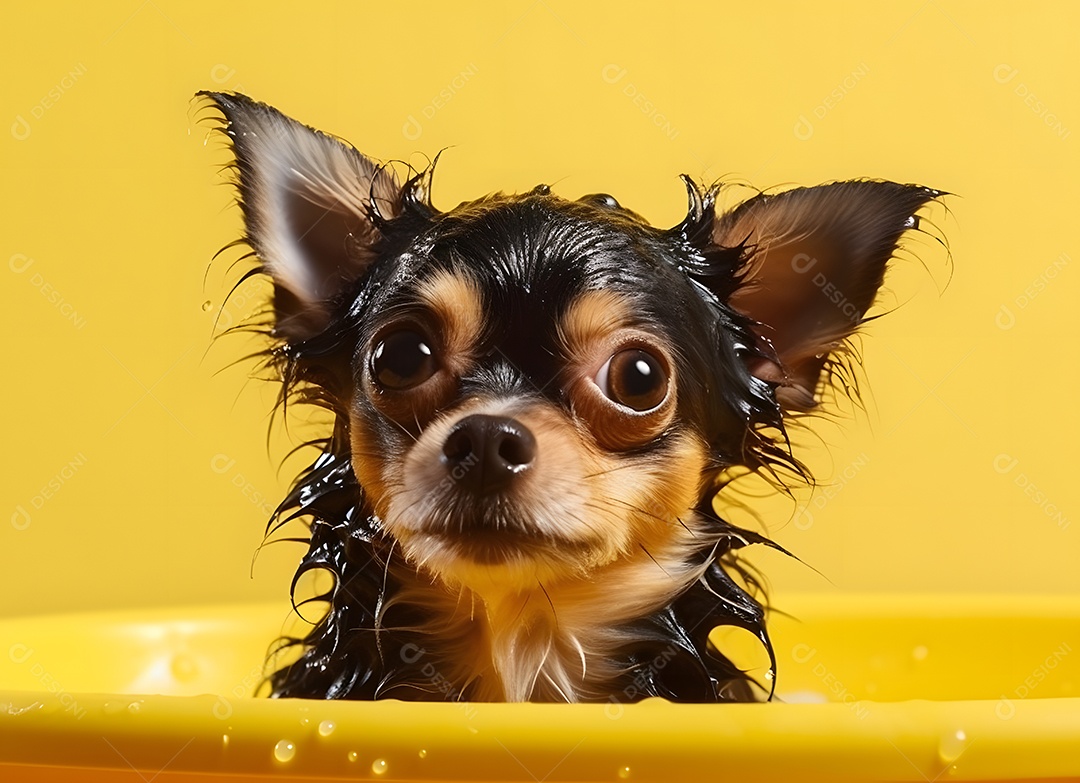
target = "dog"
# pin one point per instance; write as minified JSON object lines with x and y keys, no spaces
{"x":535,"y":402}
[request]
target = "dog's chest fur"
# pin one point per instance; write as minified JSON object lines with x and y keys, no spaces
{"x":556,"y":643}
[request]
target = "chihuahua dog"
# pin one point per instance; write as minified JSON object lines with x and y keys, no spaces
{"x":535,"y":402}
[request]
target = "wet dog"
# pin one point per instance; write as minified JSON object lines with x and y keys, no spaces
{"x":535,"y":401}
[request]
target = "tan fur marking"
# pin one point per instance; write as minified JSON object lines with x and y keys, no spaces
{"x":456,"y":302}
{"x":593,"y":317}
{"x":369,"y":464}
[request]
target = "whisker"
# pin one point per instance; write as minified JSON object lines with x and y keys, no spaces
{"x":647,"y":552}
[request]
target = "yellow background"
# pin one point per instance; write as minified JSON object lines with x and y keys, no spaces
{"x":960,"y":475}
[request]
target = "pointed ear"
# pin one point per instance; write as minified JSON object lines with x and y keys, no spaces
{"x":309,"y":202}
{"x":816,"y":259}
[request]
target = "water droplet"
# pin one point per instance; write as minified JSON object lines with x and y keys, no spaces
{"x":207,"y":305}
{"x":305,"y":721}
{"x":624,"y":773}
{"x":326,"y":728}
{"x":284,"y":751}
{"x":920,"y":653}
{"x":183,"y":667}
{"x":770,"y":675}
{"x":113,"y":707}
{"x":135,"y":706}
{"x":353,"y":755}
{"x":422,"y":754}
{"x":952,"y":745}
{"x":912,"y":222}
{"x":224,"y":740}
{"x":378,"y":766}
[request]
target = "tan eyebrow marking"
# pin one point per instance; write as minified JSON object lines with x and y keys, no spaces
{"x":592,"y":318}
{"x":456,"y":302}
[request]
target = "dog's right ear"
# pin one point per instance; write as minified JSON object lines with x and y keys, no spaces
{"x":309,"y":204}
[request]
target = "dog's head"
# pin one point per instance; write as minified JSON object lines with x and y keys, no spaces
{"x":531,"y":388}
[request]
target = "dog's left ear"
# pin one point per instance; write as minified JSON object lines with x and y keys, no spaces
{"x":815,"y":260}
{"x":309,"y":203}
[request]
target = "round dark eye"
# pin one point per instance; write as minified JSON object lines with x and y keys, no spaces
{"x":634,"y":378}
{"x":402,"y":360}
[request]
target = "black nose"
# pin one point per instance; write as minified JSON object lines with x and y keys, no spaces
{"x":484,"y":453}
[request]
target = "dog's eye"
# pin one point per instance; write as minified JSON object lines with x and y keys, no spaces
{"x":634,"y":378}
{"x":402,"y":360}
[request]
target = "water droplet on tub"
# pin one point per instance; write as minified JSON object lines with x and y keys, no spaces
{"x":135,"y":706}
{"x":952,"y":745}
{"x":305,"y":721}
{"x":207,"y":305}
{"x":353,"y":755}
{"x":326,"y":728}
{"x":224,"y":740}
{"x":284,"y":751}
{"x":378,"y":766}
{"x":624,"y":773}
{"x":422,"y":754}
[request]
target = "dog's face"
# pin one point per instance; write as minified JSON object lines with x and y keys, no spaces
{"x":518,"y":408}
{"x":532,"y":388}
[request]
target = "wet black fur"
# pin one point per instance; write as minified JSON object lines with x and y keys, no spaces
{"x":532,"y":255}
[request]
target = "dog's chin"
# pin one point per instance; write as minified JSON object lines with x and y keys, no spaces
{"x":498,"y":561}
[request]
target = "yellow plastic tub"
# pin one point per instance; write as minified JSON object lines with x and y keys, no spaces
{"x":919,"y":688}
